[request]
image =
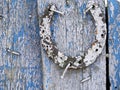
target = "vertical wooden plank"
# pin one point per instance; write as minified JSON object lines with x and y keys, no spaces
{"x":114,"y":43}
{"x":73,"y":35}
{"x":3,"y":28}
{"x":20,"y":33}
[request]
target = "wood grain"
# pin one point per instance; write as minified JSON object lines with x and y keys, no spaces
{"x":114,"y":43}
{"x":73,"y":35}
{"x":19,"y":31}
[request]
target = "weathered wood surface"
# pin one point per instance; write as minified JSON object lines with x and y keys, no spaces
{"x":19,"y":31}
{"x":73,"y":35}
{"x":114,"y":43}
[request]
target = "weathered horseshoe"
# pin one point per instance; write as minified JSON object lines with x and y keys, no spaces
{"x":78,"y":61}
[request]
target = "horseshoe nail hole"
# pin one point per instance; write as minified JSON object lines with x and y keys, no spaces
{"x":102,"y":35}
{"x":96,"y":50}
{"x":80,"y":61}
{"x":93,"y":7}
{"x":43,"y":31}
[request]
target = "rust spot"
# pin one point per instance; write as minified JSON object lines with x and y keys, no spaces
{"x":47,"y":38}
{"x":102,"y":35}
{"x":43,"y":31}
{"x":94,"y":42}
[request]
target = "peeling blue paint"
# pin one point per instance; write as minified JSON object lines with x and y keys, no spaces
{"x":48,"y":64}
{"x":115,"y":83}
{"x":13,"y":2}
{"x":82,"y":9}
{"x":55,"y":20}
{"x":70,"y":44}
{"x":53,"y":27}
{"x":18,"y":35}
{"x":48,"y":69}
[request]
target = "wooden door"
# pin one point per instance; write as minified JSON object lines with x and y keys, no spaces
{"x":25,"y":66}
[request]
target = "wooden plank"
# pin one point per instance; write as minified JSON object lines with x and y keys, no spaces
{"x":3,"y":37}
{"x":114,"y":43}
{"x":20,"y":32}
{"x":73,"y":35}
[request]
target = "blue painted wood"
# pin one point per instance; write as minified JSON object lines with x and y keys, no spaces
{"x":114,"y":43}
{"x":19,"y":31}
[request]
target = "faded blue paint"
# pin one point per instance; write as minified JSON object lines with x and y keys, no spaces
{"x":67,"y":6}
{"x":54,"y":27}
{"x":21,"y":33}
{"x":70,"y":44}
{"x":18,"y":35}
{"x":114,"y":35}
{"x":82,"y":9}
{"x":13,"y":2}
{"x":48,"y":64}
{"x":50,"y":79}
{"x":54,"y":20}
{"x":48,"y":69}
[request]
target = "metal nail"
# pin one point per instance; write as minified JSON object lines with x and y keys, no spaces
{"x":13,"y":52}
{"x":52,"y":9}
{"x":90,"y":8}
{"x":65,"y":70}
{"x":86,"y":79}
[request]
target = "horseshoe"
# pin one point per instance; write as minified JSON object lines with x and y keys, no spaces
{"x":79,"y":61}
